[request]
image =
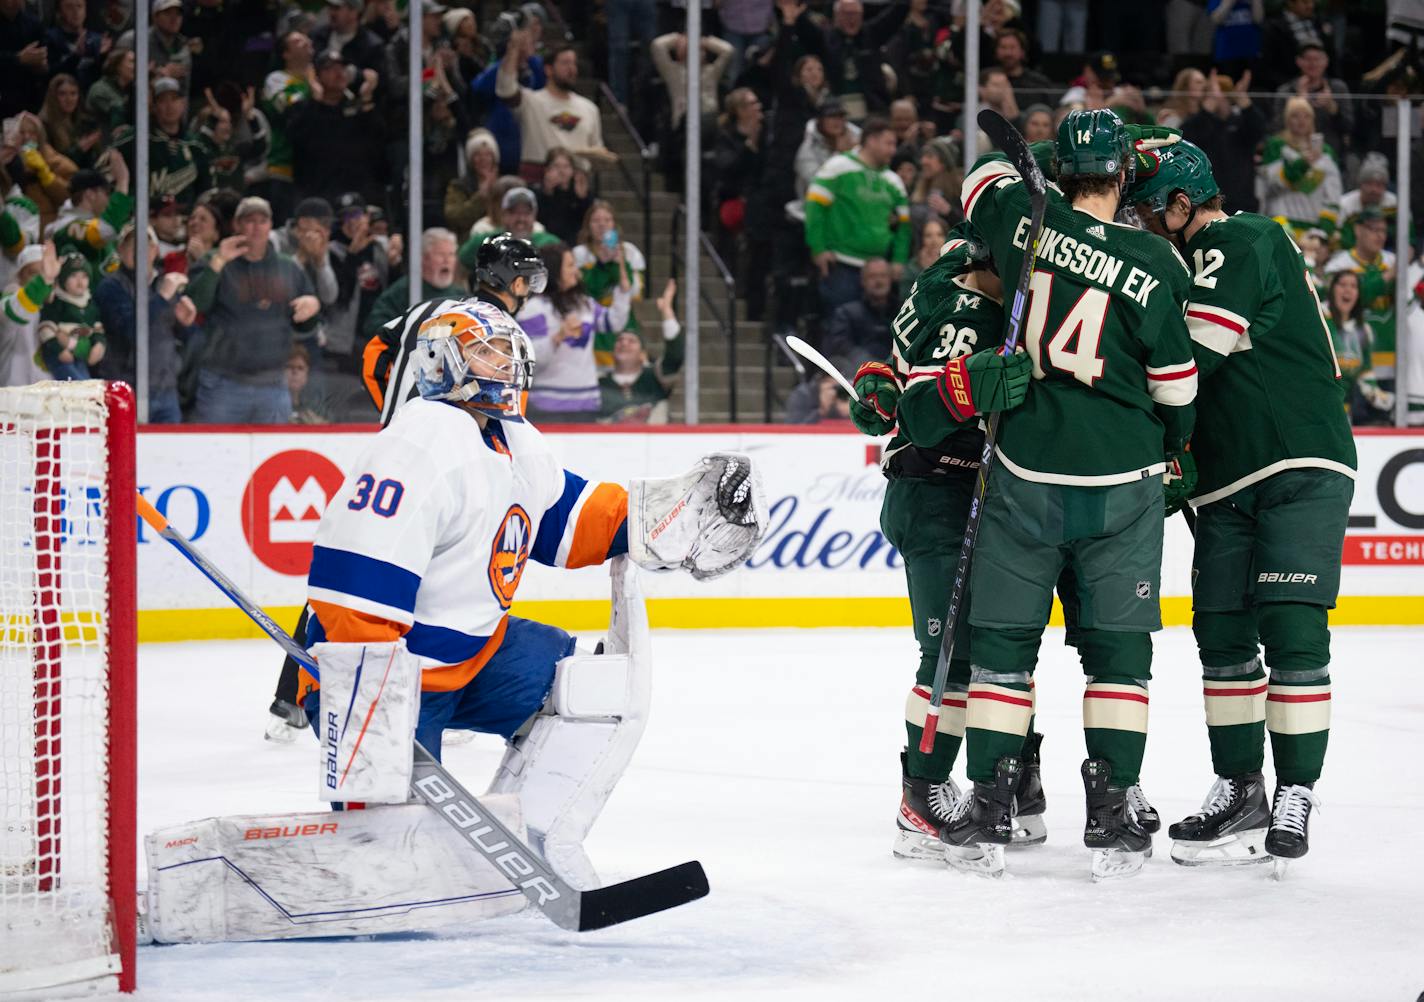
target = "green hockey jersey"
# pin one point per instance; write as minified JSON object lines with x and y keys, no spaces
{"x":943,"y":318}
{"x":1114,"y":378}
{"x":1271,"y":394}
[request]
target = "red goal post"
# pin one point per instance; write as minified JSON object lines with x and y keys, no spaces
{"x":68,"y":729}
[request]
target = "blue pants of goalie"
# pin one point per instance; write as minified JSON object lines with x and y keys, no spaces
{"x":508,"y":690}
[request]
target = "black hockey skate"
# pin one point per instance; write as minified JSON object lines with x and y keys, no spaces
{"x":1230,"y":828}
{"x":1144,"y":813}
{"x":1120,"y":844}
{"x":1289,"y":835}
{"x":925,"y":807}
{"x":1029,"y":828}
{"x":983,"y":822}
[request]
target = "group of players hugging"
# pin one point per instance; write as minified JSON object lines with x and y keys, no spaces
{"x":1178,"y":358}
{"x":1182,"y":361}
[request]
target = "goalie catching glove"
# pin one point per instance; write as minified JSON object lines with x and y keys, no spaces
{"x":709,"y":520}
{"x":982,"y":382}
{"x":879,"y":393}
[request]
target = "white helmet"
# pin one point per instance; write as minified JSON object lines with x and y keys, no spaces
{"x":475,"y":354}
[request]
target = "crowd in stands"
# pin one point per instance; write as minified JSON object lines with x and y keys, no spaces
{"x":833,"y":150}
{"x":278,"y":185}
{"x":843,"y":122}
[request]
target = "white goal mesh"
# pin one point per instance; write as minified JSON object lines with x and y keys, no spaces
{"x":56,"y":916}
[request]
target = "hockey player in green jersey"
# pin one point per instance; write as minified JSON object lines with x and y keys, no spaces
{"x":1277,"y":466}
{"x":950,"y":325}
{"x":1077,"y":482}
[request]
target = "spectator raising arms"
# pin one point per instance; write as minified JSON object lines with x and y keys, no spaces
{"x":1228,"y":128}
{"x":605,"y":263}
{"x":567,"y":327}
{"x":564,"y":198}
{"x":171,"y":316}
{"x":176,"y":165}
{"x":554,"y":116}
{"x":636,"y":391}
{"x":336,"y":136}
{"x":36,"y":269}
{"x":669,"y":54}
{"x":256,"y":302}
{"x":1299,"y":171}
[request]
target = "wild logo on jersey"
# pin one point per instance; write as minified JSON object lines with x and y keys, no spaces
{"x":509,"y":553}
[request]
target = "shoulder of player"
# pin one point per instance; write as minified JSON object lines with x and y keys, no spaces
{"x":839,"y":165}
{"x":1244,"y":233}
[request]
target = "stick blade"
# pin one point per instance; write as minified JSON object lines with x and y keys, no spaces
{"x":1007,"y":138}
{"x":654,"y":892}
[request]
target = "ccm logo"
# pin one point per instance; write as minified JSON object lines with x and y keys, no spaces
{"x":667,"y":519}
{"x":287,"y":831}
{"x":180,"y":841}
{"x":1284,"y":577}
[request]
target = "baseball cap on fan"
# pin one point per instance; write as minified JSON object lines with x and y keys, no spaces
{"x":159,"y":6}
{"x":252,"y":205}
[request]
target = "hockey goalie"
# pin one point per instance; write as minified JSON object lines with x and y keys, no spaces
{"x":415,"y":567}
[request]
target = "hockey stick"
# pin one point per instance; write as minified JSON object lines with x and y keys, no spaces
{"x":821,"y":362}
{"x":564,"y":905}
{"x":1008,"y":139}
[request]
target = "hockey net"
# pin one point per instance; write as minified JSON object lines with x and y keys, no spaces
{"x":67,"y":686}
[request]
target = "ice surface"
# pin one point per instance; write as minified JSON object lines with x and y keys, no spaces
{"x":794,"y":829}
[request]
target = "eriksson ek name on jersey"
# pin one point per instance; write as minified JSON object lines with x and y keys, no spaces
{"x":1092,"y":264}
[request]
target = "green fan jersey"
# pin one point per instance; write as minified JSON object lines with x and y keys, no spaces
{"x":943,"y":318}
{"x":1271,"y":393}
{"x":1114,"y":378}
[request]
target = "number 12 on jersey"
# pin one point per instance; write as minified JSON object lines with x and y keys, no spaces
{"x":1073,"y":347}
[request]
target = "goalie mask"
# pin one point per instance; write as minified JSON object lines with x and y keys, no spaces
{"x":475,"y":354}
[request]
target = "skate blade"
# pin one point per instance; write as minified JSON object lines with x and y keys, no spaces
{"x":984,"y":859}
{"x":453,"y":737}
{"x":280,"y":731}
{"x":918,"y":846}
{"x":1246,"y":848}
{"x":1029,"y":830}
{"x":1279,"y":866}
{"x":1112,"y":864}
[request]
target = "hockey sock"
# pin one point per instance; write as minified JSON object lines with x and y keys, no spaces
{"x":1235,"y":697}
{"x":949,"y":734}
{"x":1115,"y":724}
{"x":1000,"y":706}
{"x":1233,"y":689}
{"x":1297,"y":641}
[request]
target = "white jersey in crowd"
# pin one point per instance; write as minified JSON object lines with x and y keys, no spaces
{"x":429,"y":536}
{"x":565,"y":368}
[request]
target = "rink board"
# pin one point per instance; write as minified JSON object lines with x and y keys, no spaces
{"x":251,"y":498}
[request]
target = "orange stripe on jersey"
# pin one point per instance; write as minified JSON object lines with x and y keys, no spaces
{"x":598,"y":521}
{"x":347,"y":626}
{"x":375,"y":382}
{"x":452,"y":677}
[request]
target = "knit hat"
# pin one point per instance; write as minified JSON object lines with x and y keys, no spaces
{"x":453,"y":18}
{"x":69,"y":265}
{"x":29,"y":254}
{"x":1373,"y":166}
{"x":478,"y":138}
{"x":944,"y":148}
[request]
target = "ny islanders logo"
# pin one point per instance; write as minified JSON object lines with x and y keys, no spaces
{"x":509,"y":553}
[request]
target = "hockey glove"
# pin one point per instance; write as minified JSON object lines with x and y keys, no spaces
{"x":1180,"y":480}
{"x":874,"y":412}
{"x":1152,"y":137}
{"x":982,"y":382}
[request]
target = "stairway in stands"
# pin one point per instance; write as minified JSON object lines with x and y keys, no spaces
{"x":714,"y":399}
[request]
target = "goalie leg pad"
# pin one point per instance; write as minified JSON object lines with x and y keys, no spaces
{"x":386,"y":869}
{"x":709,"y":520}
{"x":564,"y":769}
{"x":370,"y":701}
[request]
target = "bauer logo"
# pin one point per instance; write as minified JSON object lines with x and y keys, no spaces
{"x":282,"y":506}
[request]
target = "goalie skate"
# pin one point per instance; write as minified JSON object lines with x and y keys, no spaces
{"x":1230,"y":828}
{"x":925,"y":806}
{"x":982,"y":823}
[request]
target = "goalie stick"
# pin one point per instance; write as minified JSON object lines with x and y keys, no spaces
{"x":1008,"y":139}
{"x":565,"y":906}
